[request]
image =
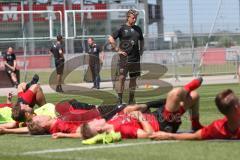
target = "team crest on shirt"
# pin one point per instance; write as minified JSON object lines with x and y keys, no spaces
{"x":126,"y":31}
{"x":94,"y":49}
{"x":132,"y":30}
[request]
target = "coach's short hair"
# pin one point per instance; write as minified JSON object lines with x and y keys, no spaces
{"x":226,"y":101}
{"x":86,"y":131}
{"x":133,"y":12}
{"x":59,"y":37}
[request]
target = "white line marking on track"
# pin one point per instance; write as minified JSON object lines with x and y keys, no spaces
{"x":95,"y":147}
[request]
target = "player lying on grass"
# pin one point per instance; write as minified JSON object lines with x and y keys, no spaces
{"x":68,"y":124}
{"x":8,"y":125}
{"x":69,"y":121}
{"x":62,"y":108}
{"x":130,"y":125}
{"x":67,"y":111}
{"x":140,"y":125}
{"x":190,"y":98}
{"x":29,"y":94}
{"x":228,"y":127}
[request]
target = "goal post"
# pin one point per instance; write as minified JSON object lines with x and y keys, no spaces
{"x":96,"y":23}
{"x":18,"y":19}
{"x":29,"y":32}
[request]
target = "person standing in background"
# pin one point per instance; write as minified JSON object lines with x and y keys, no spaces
{"x":57,"y":51}
{"x":95,"y":61}
{"x":10,"y":64}
{"x":130,"y":49}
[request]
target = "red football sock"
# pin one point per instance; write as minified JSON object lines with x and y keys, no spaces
{"x":194,"y":84}
{"x":168,"y":115}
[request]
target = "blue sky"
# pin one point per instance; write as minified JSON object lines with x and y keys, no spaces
{"x":176,"y":15}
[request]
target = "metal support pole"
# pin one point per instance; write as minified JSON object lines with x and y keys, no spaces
{"x":146,"y":22}
{"x":83,"y":28}
{"x":191,"y":36}
{"x":50,"y":26}
{"x":31,"y":28}
{"x":24,"y":42}
{"x":237,"y":62}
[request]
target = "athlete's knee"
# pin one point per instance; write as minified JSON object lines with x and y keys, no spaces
{"x":195,"y":96}
{"x":22,"y":86}
{"x":35,"y":87}
{"x":175,"y":93}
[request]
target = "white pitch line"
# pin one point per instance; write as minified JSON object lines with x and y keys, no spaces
{"x":95,"y":147}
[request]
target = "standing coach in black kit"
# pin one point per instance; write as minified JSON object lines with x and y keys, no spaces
{"x":57,"y":50}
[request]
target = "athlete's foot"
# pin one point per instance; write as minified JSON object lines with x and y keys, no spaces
{"x":194,"y":84}
{"x":34,"y":80}
{"x":59,"y":88}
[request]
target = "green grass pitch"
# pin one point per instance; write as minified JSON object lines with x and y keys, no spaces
{"x":25,"y":147}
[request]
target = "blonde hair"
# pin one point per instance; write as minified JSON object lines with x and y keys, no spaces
{"x":35,"y":128}
{"x":86,"y":131}
{"x":133,"y":12}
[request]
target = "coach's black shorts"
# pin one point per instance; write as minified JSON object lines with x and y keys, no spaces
{"x":171,"y":124}
{"x":59,"y":65}
{"x":125,"y":67}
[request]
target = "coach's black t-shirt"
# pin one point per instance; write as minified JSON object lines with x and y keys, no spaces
{"x":130,"y":34}
{"x":94,"y":51}
{"x":9,"y":58}
{"x":55,"y":51}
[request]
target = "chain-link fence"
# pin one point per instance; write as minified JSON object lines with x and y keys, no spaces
{"x":209,"y":46}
